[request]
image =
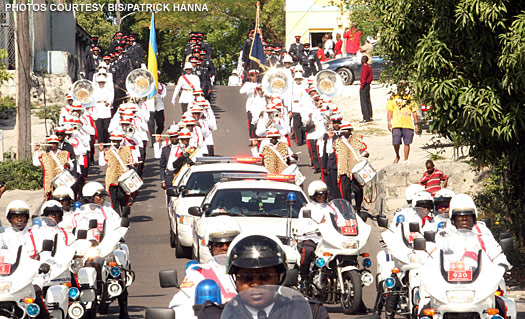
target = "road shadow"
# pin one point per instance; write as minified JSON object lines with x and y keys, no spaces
{"x":140,"y":219}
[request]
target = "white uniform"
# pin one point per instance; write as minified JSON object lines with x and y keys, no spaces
{"x":186,"y":89}
{"x":320,"y":214}
{"x":234,"y":80}
{"x":262,"y":123}
{"x":215,"y":269}
{"x":101,"y":96}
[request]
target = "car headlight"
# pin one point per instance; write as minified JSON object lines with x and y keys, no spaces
{"x":351,"y":244}
{"x":324,"y":66}
{"x":460,"y":296}
{"x":5,"y":287}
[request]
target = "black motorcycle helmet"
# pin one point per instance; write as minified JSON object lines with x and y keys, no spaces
{"x":256,"y":251}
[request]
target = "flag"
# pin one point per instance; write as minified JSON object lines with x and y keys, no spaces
{"x":257,"y":49}
{"x":152,"y":56}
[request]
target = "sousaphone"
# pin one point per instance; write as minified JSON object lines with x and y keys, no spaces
{"x":328,"y":82}
{"x":140,"y":83}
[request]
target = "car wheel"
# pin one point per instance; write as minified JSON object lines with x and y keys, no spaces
{"x":173,"y":238}
{"x":346,"y":75}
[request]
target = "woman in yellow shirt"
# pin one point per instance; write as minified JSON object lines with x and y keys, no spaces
{"x":402,"y":121}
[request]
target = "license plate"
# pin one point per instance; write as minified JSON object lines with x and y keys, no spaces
{"x":349,"y":230}
{"x":460,"y":275}
{"x":5,"y":269}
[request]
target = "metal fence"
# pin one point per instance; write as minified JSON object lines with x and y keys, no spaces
{"x":7,"y":35}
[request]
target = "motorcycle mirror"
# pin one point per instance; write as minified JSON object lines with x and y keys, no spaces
{"x":160,"y":313}
{"x":505,"y":235}
{"x":430,"y":236}
{"x":195,"y":211}
{"x":413,"y":227}
{"x":81,"y":234}
{"x":291,"y":278}
{"x":363,"y":215}
{"x":168,"y":279}
{"x":93,"y":223}
{"x":124,"y":222}
{"x":382,"y":221}
{"x":47,"y":245}
{"x":307,"y":213}
{"x":420,"y":244}
{"x":487,"y":222}
{"x":172,"y":191}
{"x":507,"y":244}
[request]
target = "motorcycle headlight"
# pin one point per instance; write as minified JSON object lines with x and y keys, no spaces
{"x":319,"y":262}
{"x":460,"y":296}
{"x":367,"y":262}
{"x":32,"y":310}
{"x":73,"y":293}
{"x":351,"y":244}
{"x":390,"y":282}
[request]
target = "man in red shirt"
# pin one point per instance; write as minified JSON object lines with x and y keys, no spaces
{"x":432,"y":178}
{"x":353,"y":40}
{"x":364,"y":90}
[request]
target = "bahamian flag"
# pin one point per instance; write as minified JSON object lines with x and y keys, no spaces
{"x":257,"y":49}
{"x":152,"y":56}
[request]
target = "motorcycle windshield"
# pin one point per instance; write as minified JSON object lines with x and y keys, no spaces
{"x":349,"y":227}
{"x":11,"y":246}
{"x":268,"y":302}
{"x":460,"y":257}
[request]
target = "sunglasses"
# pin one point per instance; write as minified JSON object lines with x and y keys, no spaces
{"x":218,"y":245}
{"x":261,"y":277}
{"x":443,"y":205}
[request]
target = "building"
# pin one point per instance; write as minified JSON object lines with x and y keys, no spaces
{"x":312,"y":19}
{"x":57,"y":41}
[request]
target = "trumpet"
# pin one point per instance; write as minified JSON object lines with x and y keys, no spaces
{"x":130,"y":131}
{"x":76,"y":127}
{"x":140,"y":83}
{"x":83,"y":91}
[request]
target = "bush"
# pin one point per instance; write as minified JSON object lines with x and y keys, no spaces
{"x":52,"y":113}
{"x":20,"y":174}
{"x":7,"y":108}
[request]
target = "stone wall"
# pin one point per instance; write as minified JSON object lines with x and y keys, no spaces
{"x":393,"y":180}
{"x":56,"y":87}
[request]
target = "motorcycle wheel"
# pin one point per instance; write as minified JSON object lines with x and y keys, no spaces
{"x":351,"y":297}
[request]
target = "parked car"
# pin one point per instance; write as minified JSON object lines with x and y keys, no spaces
{"x":349,"y":68}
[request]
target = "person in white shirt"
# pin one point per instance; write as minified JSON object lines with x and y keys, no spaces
{"x":298,"y":94}
{"x":248,"y":88}
{"x":66,"y":110}
{"x":156,"y":112}
{"x":103,"y":99}
{"x":234,"y":79}
{"x":329,"y":46}
{"x":186,"y":84}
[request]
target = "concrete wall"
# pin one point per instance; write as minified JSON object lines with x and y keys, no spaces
{"x":393,"y":180}
{"x":54,"y":30}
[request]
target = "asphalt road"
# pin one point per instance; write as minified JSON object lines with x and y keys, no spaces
{"x":148,"y":237}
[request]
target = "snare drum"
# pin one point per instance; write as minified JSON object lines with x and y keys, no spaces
{"x":63,"y":179}
{"x":294,"y":170}
{"x":130,"y":181}
{"x":363,"y":172}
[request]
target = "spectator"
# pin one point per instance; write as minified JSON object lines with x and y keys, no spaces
{"x":367,"y":49}
{"x":338,"y":46}
{"x":329,"y":46}
{"x":364,"y":90}
{"x":432,"y":178}
{"x":320,"y":52}
{"x":353,"y":40}
{"x":401,"y":110}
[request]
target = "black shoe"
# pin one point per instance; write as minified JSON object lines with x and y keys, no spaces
{"x":317,"y":171}
{"x":363,"y":121}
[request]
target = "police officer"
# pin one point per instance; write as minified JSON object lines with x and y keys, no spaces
{"x":310,"y":61}
{"x":91,"y":62}
{"x":116,"y":41}
{"x":136,"y":52}
{"x":253,"y":261}
{"x":295,"y":49}
{"x":328,"y":158}
{"x":169,"y":154}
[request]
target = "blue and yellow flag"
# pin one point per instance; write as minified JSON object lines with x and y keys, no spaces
{"x":152,"y":56}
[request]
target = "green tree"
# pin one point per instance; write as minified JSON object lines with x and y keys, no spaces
{"x":273,"y":20}
{"x":360,"y":14}
{"x":466,"y":58}
{"x":98,"y":23}
{"x":4,"y":75}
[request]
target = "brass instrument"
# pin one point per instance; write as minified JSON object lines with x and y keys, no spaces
{"x":76,"y":113}
{"x":140,"y":83}
{"x":76,"y":127}
{"x":130,"y":131}
{"x":192,"y":151}
{"x":83,"y":91}
{"x":328,"y":82}
{"x":277,"y":81}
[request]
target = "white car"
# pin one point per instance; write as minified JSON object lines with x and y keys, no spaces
{"x":191,"y":187}
{"x":259,"y":206}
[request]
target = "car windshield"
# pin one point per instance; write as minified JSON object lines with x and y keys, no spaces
{"x":254,"y":202}
{"x":200,"y":183}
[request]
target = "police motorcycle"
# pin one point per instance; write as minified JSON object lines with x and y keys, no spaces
{"x":398,"y":264}
{"x":336,"y":276}
{"x":104,"y":260}
{"x":17,"y":271}
{"x":459,"y":280}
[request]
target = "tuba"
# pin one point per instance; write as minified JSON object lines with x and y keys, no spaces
{"x":140,"y":83}
{"x":83,"y":91}
{"x":277,"y":81}
{"x":328,"y":82}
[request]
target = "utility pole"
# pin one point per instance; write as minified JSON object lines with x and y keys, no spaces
{"x":118,"y":14}
{"x":22,"y":81}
